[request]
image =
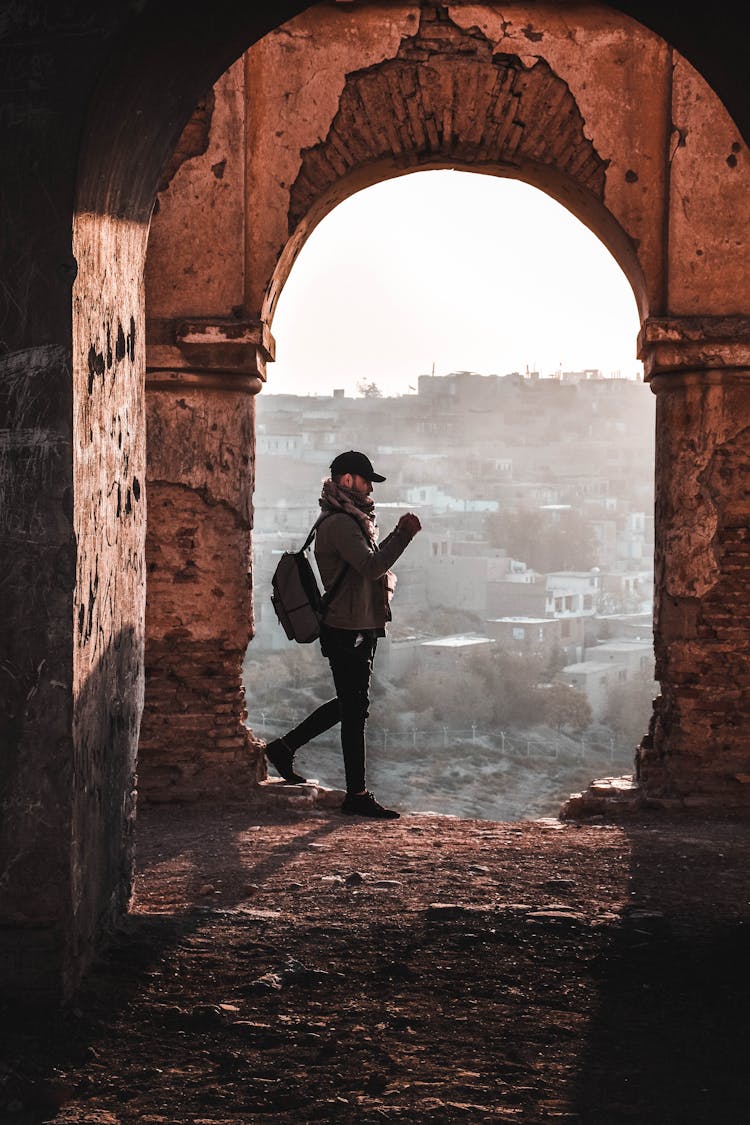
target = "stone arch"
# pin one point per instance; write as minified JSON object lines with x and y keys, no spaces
{"x":448,"y":99}
{"x":598,"y":118}
{"x":465,"y":105}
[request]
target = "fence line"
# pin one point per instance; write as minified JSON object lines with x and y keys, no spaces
{"x":563,"y":748}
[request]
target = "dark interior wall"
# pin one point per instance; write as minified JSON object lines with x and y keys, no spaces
{"x":46,"y":82}
{"x":94,"y":97}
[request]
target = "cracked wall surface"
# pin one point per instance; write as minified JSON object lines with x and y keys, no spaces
{"x":581,"y":111}
{"x":194,"y":742}
{"x":447,"y":96}
{"x":201,"y":440}
{"x":338,"y":104}
{"x":110,"y":526}
{"x":607,"y":118}
{"x":698,"y":750}
{"x":92,"y":103}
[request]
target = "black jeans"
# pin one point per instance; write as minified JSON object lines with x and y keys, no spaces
{"x":351,"y":654}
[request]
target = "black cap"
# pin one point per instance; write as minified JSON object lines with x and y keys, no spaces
{"x":356,"y":463}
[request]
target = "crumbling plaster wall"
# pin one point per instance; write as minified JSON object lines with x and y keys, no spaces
{"x":294,"y":83}
{"x":673,"y":155}
{"x":296,"y":78}
{"x":60,"y":771}
{"x":195,"y":264}
{"x":708,"y":234}
{"x":199,"y":611}
{"x":698,"y":750}
{"x":200,"y":473}
{"x":92,"y":103}
{"x":109,"y":523}
{"x":579,"y":100}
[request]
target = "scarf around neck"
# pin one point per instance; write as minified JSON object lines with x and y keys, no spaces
{"x":337,"y":498}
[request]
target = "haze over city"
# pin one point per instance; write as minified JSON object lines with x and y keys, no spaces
{"x":433,"y":274}
{"x":522,"y":615}
{"x":460,"y":270}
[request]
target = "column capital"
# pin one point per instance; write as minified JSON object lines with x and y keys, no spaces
{"x":208,"y":353}
{"x":680,"y":344}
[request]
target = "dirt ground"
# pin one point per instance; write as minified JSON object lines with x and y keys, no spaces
{"x":302,"y":966}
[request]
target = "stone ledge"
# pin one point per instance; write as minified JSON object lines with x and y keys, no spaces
{"x":273,"y":794}
{"x":609,"y":796}
{"x":615,"y":797}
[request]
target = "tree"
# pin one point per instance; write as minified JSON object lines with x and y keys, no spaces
{"x":556,"y":660}
{"x":369,"y":390}
{"x":565,"y":706}
{"x":512,"y":680}
{"x":518,"y":533}
{"x":543,"y":543}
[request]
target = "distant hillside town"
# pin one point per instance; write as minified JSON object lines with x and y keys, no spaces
{"x":536,"y":499}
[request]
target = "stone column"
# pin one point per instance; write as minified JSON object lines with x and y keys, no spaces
{"x":697,"y":751}
{"x":201,"y":379}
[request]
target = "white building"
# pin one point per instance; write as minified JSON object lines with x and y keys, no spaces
{"x":573,"y":593}
{"x":440,"y":501}
{"x":594,"y":678}
{"x":446,"y":656}
{"x":606,"y":666}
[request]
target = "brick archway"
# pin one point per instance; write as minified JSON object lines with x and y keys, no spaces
{"x":449,"y":99}
{"x":440,"y":96}
{"x":605,"y":117}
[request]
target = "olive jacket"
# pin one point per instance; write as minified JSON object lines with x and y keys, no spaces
{"x":361,"y":599}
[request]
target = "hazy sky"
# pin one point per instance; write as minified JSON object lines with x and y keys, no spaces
{"x":466,"y":271}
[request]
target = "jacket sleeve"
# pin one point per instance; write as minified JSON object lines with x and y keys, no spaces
{"x":371,"y":562}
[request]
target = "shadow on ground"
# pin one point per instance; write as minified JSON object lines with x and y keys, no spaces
{"x":307,"y":968}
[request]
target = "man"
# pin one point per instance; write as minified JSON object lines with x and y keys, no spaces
{"x":346,"y":550}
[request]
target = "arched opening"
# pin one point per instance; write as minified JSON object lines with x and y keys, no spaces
{"x":474,"y":106}
{"x":520,"y":465}
{"x":433,"y":89}
{"x":467,"y":269}
{"x":450,"y":97}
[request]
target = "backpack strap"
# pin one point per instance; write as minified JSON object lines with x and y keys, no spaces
{"x":313,"y":529}
{"x":329,"y":595}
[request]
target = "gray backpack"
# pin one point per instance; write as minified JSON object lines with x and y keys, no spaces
{"x":296,"y":598}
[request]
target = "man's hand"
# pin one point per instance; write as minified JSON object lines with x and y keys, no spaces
{"x":410,"y":524}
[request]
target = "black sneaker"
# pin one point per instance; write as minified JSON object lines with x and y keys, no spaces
{"x":281,"y":758}
{"x":364,"y":804}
